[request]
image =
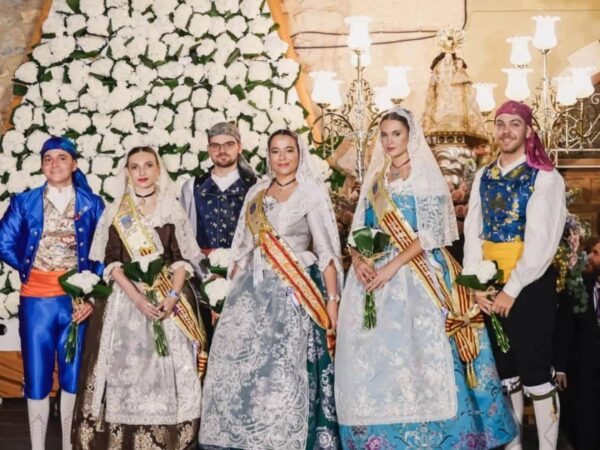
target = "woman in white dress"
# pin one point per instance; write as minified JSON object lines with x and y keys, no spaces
{"x":406,"y":383}
{"x":130,"y":397}
{"x":269,"y":383}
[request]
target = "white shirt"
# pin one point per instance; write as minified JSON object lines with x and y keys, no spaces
{"x":224,"y":182}
{"x":60,"y":197}
{"x":546,"y":215}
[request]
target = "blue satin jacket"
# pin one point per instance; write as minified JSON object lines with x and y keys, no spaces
{"x":22,"y":225}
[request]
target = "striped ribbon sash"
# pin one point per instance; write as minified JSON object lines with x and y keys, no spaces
{"x":464,"y":317}
{"x":285,"y":264}
{"x":138,"y":241}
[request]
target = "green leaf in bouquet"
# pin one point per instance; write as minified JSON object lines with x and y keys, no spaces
{"x":217,"y":270}
{"x":101,"y":291}
{"x":470,"y":281}
{"x":363,"y":241}
{"x":380,"y":241}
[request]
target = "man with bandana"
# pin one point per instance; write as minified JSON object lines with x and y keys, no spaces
{"x":516,"y":217}
{"x":213,"y":201}
{"x":46,"y":232}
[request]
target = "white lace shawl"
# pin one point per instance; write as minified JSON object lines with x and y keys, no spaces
{"x":168,"y":211}
{"x":436,"y":222}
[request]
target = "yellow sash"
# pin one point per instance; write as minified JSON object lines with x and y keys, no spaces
{"x":506,"y":255}
{"x":138,"y":241}
{"x":285,"y":264}
{"x":463,"y":318}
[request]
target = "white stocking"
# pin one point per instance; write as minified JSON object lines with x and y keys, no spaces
{"x":517,"y":401}
{"x":547,"y":413}
{"x":38,"y":412}
{"x":67,"y":403}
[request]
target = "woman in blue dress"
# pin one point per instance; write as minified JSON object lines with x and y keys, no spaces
{"x":424,"y":375}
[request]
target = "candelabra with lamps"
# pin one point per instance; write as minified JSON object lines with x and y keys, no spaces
{"x":557,"y":104}
{"x":357,"y":118}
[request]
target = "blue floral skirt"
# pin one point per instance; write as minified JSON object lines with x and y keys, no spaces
{"x":484,"y":418}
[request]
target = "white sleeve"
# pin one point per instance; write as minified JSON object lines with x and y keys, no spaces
{"x":188,"y":202}
{"x":474,"y":225}
{"x":546,"y":215}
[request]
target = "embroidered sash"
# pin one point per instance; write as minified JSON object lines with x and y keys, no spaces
{"x":285,"y":264}
{"x":138,"y":241}
{"x":463,"y":318}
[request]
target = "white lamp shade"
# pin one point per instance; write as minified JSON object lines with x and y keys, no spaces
{"x":582,"y":81}
{"x":517,"y":87}
{"x":565,"y":91}
{"x":326,"y":90}
{"x":485,"y":96}
{"x":365,"y":59}
{"x":382,"y":98}
{"x":519,"y":53}
{"x":545,"y":35}
{"x":358,"y":37}
{"x":397,"y":82}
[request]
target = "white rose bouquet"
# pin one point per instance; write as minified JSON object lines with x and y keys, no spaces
{"x":486,"y":277}
{"x":216,"y":291}
{"x":81,"y":286}
{"x":219,"y":260}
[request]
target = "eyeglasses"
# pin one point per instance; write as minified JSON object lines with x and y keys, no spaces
{"x":229,"y":145}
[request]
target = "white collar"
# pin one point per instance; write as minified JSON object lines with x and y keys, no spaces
{"x":226,"y":181}
{"x":505,"y":169}
{"x":60,"y":197}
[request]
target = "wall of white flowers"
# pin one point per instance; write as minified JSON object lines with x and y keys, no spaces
{"x":114,"y":74}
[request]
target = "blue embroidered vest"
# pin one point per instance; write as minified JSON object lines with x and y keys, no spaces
{"x":504,"y":202}
{"x":218,"y":211}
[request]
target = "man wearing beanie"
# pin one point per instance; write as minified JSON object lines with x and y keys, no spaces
{"x":46,"y":232}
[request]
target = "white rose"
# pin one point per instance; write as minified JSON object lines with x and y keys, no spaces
{"x":18,"y":182}
{"x":206,"y":164}
{"x":43,"y":55}
{"x":27,"y":72}
{"x":62,"y":47}
{"x":184,"y":116}
{"x":98,"y":25}
{"x":119,"y":18}
{"x":57,"y":119}
{"x":250,"y":45}
{"x":4,"y":314}
{"x":215,"y":73}
{"x":141,"y":5}
{"x":91,"y":7}
{"x":261,"y":97}
{"x":157,"y":51}
{"x":274,"y":45}
{"x":14,"y":279}
{"x":110,"y":142}
{"x":122,"y":72}
{"x":232,"y":106}
{"x":91,"y":43}
{"x":181,"y":137}
{"x":288,"y":71}
{"x":117,"y":100}
{"x":31,"y":164}
{"x":164,"y":118}
{"x":250,"y":8}
{"x":181,"y":93}
{"x":206,"y":47}
{"x":227,"y":6}
{"x":189,"y":161}
{"x":144,"y":261}
{"x":172,"y":162}
{"x":123,"y":121}
{"x":75,"y":23}
{"x":34,"y":95}
{"x":95,"y":182}
{"x":218,"y":97}
{"x":164,"y":7}
{"x":199,"y":98}
{"x":23,"y":116}
{"x":293,"y":115}
{"x":36,"y":140}
{"x":88,"y":144}
{"x":260,"y":25}
{"x":158,"y":137}
{"x":145,"y":114}
{"x":225,"y":47}
{"x":54,"y":24}
{"x":12,"y":141}
{"x":136,"y":47}
{"x":236,"y":74}
{"x":261,"y":121}
{"x":67,"y":93}
{"x":134,"y":140}
{"x":170,"y":70}
{"x":79,"y":122}
{"x":255,"y":161}
{"x":78,"y":74}
{"x":485,"y":271}
{"x":112,"y":185}
{"x":163,"y":25}
{"x":250,"y":140}
{"x":259,"y":71}
{"x":277,"y":98}
{"x":217,"y":26}
{"x":101,"y":121}
{"x":102,"y":67}
{"x":201,"y":6}
{"x":145,"y":76}
{"x":117,"y":46}
{"x":220,"y":257}
{"x":85,"y":280}
{"x":321,"y":166}
{"x":199,"y":25}
{"x":83,"y":165}
{"x":158,"y":95}
{"x":237,"y":26}
{"x":102,"y":165}
{"x":217,"y":290}
{"x":182,"y":16}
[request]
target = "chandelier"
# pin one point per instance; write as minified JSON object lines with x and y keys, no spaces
{"x":356,"y":118}
{"x":557,"y":103}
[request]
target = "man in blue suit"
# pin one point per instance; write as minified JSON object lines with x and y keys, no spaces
{"x":46,"y":232}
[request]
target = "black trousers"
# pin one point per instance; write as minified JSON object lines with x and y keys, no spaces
{"x":530,"y":330}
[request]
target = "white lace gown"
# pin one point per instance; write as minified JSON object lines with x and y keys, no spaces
{"x":256,"y":393}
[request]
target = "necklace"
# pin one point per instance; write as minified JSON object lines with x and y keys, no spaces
{"x":144,"y":197}
{"x":281,"y":186}
{"x":395,"y":170}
